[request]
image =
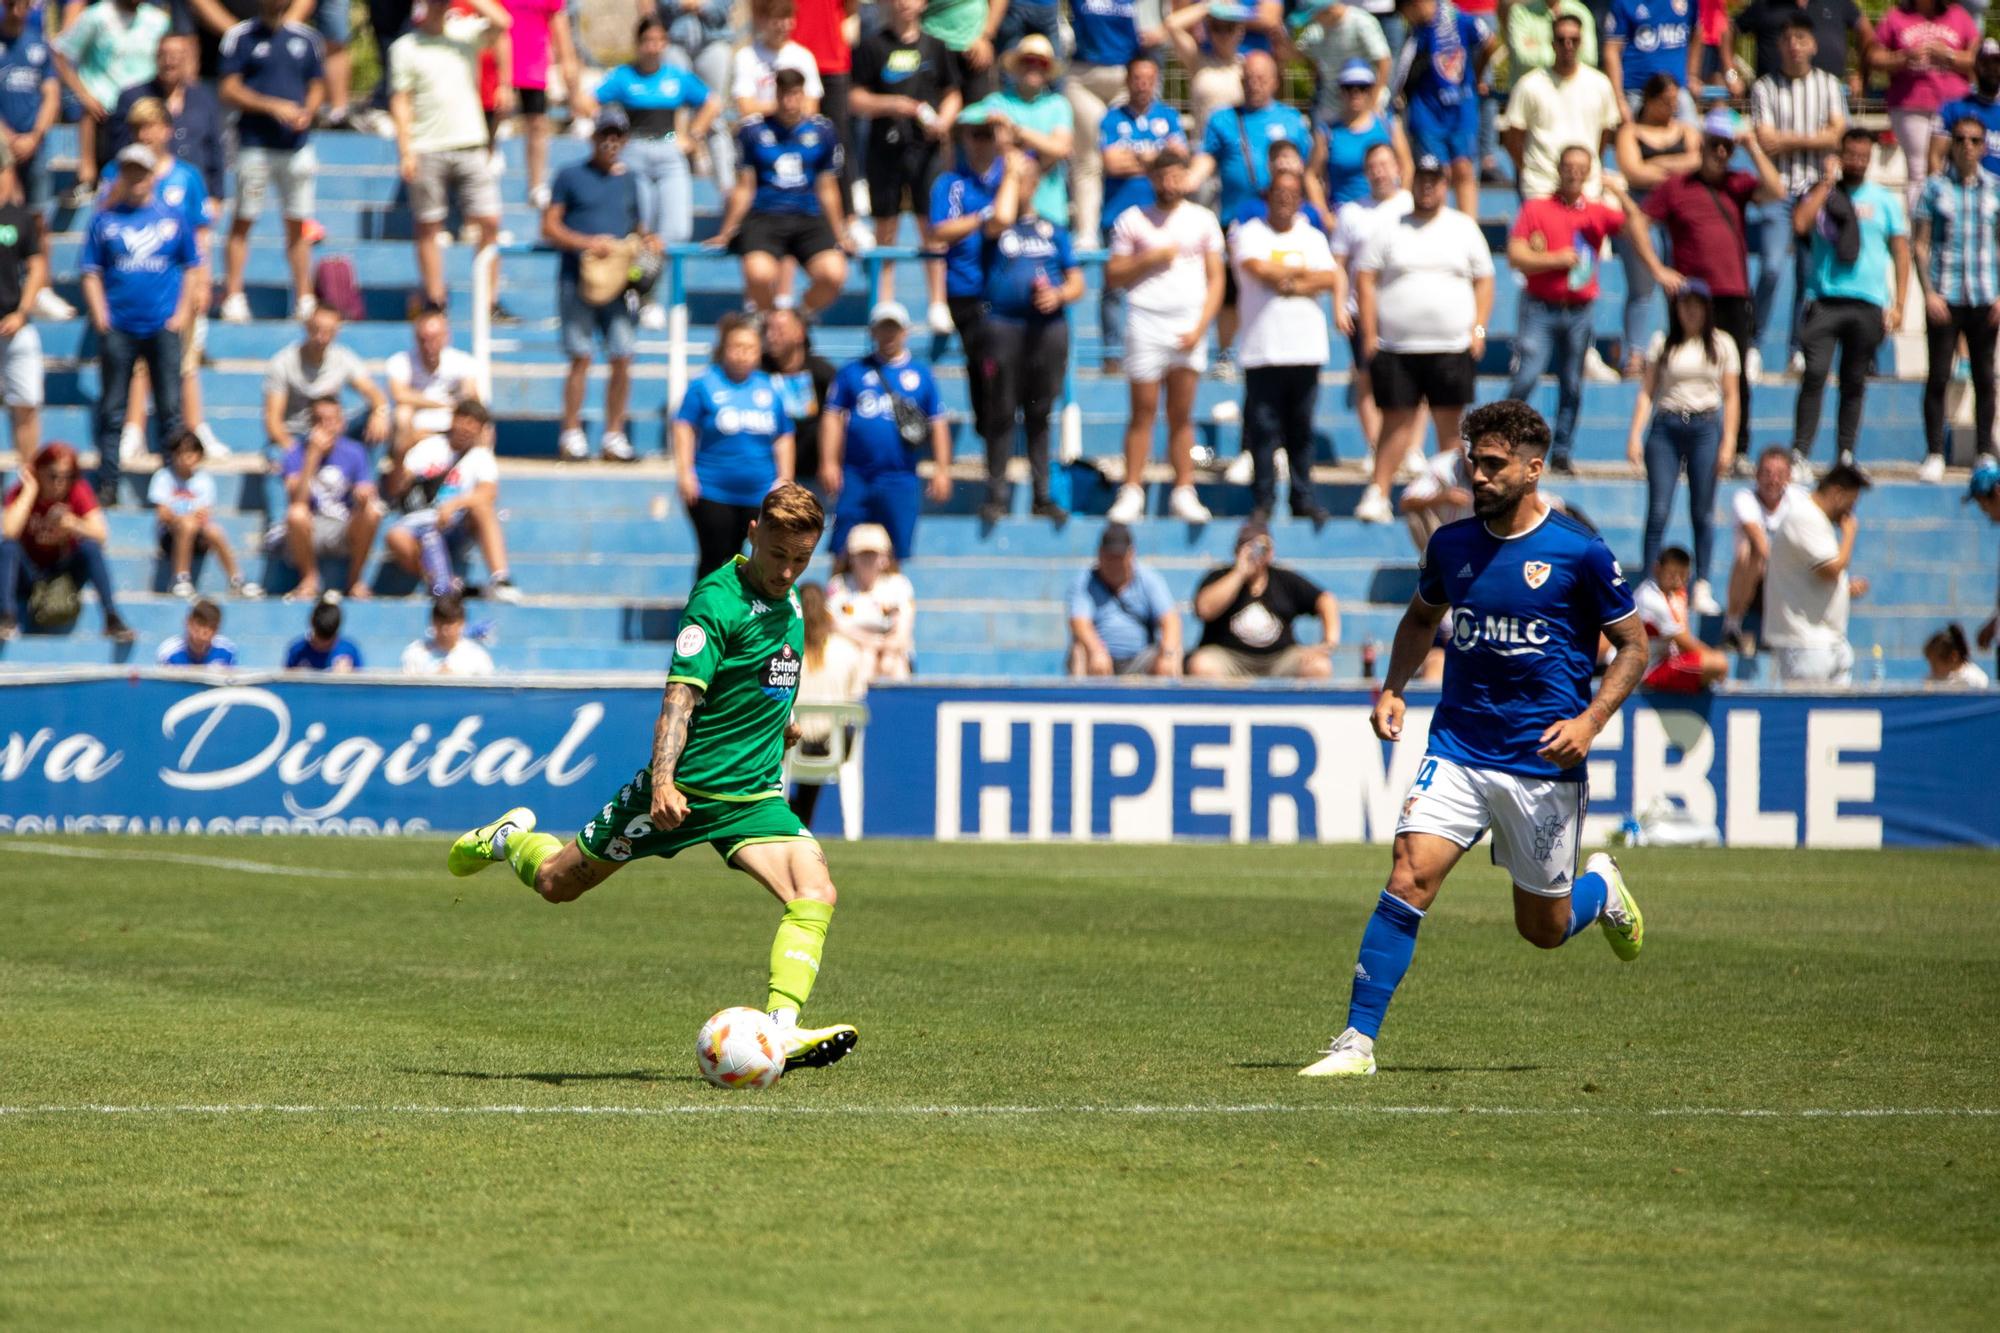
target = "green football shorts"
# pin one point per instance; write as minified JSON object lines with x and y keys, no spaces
{"x":623,"y":830}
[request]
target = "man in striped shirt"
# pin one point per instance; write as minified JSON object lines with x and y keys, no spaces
{"x":1956,"y":234}
{"x":1799,"y":112}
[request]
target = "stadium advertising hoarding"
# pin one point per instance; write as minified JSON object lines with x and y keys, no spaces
{"x":153,"y":751}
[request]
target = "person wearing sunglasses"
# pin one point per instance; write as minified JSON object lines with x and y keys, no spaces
{"x":1956,"y":229}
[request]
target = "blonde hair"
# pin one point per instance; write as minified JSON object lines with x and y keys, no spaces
{"x":818,"y":618}
{"x":791,"y":508}
{"x":148,"y":111}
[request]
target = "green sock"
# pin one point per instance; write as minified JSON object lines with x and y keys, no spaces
{"x":795,"y":952}
{"x":527,"y":851}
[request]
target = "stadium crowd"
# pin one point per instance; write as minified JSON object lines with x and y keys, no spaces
{"x":1258,"y":177}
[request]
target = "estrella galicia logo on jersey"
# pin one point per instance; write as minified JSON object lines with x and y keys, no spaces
{"x":1509,"y":636}
{"x":1536,"y":572}
{"x":781,"y":673}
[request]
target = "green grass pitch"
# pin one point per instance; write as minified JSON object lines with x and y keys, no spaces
{"x":1074,"y":1103}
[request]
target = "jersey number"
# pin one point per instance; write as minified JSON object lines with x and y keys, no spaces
{"x":1426,"y":773}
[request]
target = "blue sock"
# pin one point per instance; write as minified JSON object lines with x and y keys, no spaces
{"x":1586,"y":901}
{"x":1387,"y":945}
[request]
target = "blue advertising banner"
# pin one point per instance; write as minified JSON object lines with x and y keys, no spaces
{"x":172,"y":752}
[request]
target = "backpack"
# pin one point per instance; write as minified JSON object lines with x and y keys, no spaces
{"x":336,"y":287}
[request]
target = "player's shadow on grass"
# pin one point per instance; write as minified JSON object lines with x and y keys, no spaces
{"x":557,"y":1080}
{"x":1405,"y":1069}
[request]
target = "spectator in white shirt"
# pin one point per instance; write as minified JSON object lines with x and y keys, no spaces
{"x":1949,"y":657}
{"x":1808,"y":587}
{"x":428,"y":380}
{"x":874,"y":604}
{"x":1757,"y":509}
{"x":448,"y":489}
{"x":1169,"y":254}
{"x":445,"y":651}
{"x":1356,"y":221}
{"x":1552,"y":109}
{"x":1424,"y":285}
{"x":1679,"y":663}
{"x":753,"y":86}
{"x":834,"y":674}
{"x":1284,"y":269}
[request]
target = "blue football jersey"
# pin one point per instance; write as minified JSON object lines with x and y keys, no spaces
{"x":788,"y":162}
{"x":1525,"y":616}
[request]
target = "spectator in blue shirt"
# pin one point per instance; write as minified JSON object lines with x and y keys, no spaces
{"x":1982,"y":104}
{"x":1438,"y":73}
{"x":960,"y":201}
{"x":30,"y":97}
{"x":1130,"y":135}
{"x":273,"y":76}
{"x":201,"y":642}
{"x":1236,"y":145}
{"x":1122,"y":619}
{"x":136,"y":254}
{"x":184,"y":497}
{"x":787,"y":201}
{"x":192,"y":105}
{"x":1956,"y":229}
{"x":331,"y":507}
{"x":321,"y":647}
{"x":1643,"y":38}
{"x":1031,"y":278}
{"x":732,"y":443}
{"x":882,"y":414}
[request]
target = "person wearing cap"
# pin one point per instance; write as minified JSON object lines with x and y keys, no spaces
{"x":1130,"y":135}
{"x":1213,"y":59}
{"x":441,"y":138}
{"x":136,"y":255}
{"x":1424,"y":291}
{"x":1246,"y":610}
{"x":1108,"y":43}
{"x":1860,"y":246}
{"x":274,"y":79}
{"x":873,"y":604}
{"x":1337,"y":37}
{"x":959,"y":204}
{"x":1982,"y":104}
{"x":1554,"y":244}
{"x":1956,"y":240}
{"x":1122,"y":618}
{"x":24,"y":271}
{"x":30,"y":97}
{"x":1809,"y":585}
{"x":786,"y":202}
{"x":1984,"y":491}
{"x":1037,"y":119}
{"x":1708,"y":235}
{"x":51,"y":525}
{"x":1528,"y":27}
{"x":1343,"y":140}
{"x":903,"y":88}
{"x":1168,"y":255}
{"x":593,"y":209}
{"x":1798,"y":113}
{"x":1684,"y":419}
{"x":1552,"y":108}
{"x":883,"y":415}
{"x":1032,"y":278}
{"x":101,"y":51}
{"x":1438,"y":73}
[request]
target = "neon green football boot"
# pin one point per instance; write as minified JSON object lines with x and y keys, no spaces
{"x":812,"y":1048}
{"x":474,"y":851}
{"x":1623,"y":923}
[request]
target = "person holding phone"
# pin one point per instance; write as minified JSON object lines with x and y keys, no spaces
{"x":1246,"y":611}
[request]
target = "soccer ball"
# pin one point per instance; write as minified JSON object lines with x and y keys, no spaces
{"x":740,"y":1048}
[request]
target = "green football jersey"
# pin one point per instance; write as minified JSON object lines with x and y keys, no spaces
{"x":744,"y":653}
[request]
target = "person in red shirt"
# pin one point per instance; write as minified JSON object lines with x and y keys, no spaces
{"x":1555,"y":245}
{"x":1708,"y":236}
{"x":50,"y":524}
{"x":828,"y":29}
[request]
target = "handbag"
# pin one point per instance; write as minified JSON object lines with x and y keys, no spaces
{"x":913,"y":424}
{"x":55,"y":603}
{"x":602,"y":279}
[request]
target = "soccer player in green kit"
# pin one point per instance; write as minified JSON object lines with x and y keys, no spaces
{"x":718,"y":750}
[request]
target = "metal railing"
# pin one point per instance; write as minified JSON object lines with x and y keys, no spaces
{"x":485,"y":280}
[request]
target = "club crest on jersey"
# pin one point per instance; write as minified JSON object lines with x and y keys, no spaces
{"x":1536,"y":572}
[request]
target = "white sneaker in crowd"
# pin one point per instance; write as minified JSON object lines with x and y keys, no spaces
{"x":573,"y":445}
{"x":1225,"y":413}
{"x":211,"y":443}
{"x":864,"y":206}
{"x":1242,"y":470}
{"x":52,"y":308}
{"x":862,"y":232}
{"x":236,"y":309}
{"x":183,"y":588}
{"x":303,"y":308}
{"x":1797,"y":365}
{"x":538,"y":197}
{"x":1931,"y":469}
{"x":1596,"y":372}
{"x":1374,"y":506}
{"x":1130,"y":506}
{"x":1753,"y":365}
{"x":652,"y":315}
{"x":1413,"y":463}
{"x":132,"y":444}
{"x":1702,"y":601}
{"x":939,"y":318}
{"x":617,"y":448}
{"x":1186,"y":506}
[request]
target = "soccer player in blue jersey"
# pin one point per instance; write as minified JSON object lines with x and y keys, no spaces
{"x":1529,"y":590}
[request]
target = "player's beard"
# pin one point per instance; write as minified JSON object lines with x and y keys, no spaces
{"x":1496,"y":503}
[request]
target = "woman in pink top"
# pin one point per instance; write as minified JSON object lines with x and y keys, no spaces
{"x":1926,"y":48}
{"x":541,"y":37}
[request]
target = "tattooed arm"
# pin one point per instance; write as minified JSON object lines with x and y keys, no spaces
{"x":1566,"y":744}
{"x":670,"y":737}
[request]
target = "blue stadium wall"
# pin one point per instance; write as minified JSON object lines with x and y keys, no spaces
{"x":159,"y":752}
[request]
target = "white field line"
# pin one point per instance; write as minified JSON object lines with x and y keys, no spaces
{"x":1192,"y":1109}
{"x":182,"y":859}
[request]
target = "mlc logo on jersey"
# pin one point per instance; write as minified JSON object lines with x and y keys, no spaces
{"x":1536,"y":572}
{"x":1509,"y":636}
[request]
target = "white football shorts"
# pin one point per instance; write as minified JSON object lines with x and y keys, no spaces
{"x":1537,"y":823}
